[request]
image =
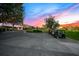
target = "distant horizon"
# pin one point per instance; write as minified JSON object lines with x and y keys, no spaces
{"x":65,"y":13}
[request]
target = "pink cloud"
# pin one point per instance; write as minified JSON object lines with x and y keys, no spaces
{"x":39,"y":22}
{"x":66,"y":11}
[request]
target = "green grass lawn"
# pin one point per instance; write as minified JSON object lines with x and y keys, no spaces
{"x":72,"y":34}
{"x":36,"y":30}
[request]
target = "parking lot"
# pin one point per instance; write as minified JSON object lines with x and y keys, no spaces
{"x":36,"y":44}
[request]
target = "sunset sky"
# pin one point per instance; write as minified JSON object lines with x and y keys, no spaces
{"x":65,"y":13}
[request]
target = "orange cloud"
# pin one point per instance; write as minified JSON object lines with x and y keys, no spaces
{"x":75,"y":24}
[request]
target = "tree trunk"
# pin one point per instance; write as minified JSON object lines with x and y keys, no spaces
{"x":13,"y":26}
{"x":50,"y":31}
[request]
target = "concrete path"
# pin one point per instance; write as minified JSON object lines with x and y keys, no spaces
{"x":36,"y":44}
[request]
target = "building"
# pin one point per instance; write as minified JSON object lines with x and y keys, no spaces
{"x":9,"y":27}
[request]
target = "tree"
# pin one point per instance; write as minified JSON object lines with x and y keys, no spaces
{"x":51,"y":23}
{"x":11,"y":13}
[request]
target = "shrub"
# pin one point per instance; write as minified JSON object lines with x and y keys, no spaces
{"x":37,"y":31}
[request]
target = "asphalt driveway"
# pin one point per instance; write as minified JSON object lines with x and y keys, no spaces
{"x":36,"y":44}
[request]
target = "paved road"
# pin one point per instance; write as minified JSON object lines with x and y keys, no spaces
{"x":36,"y":44}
